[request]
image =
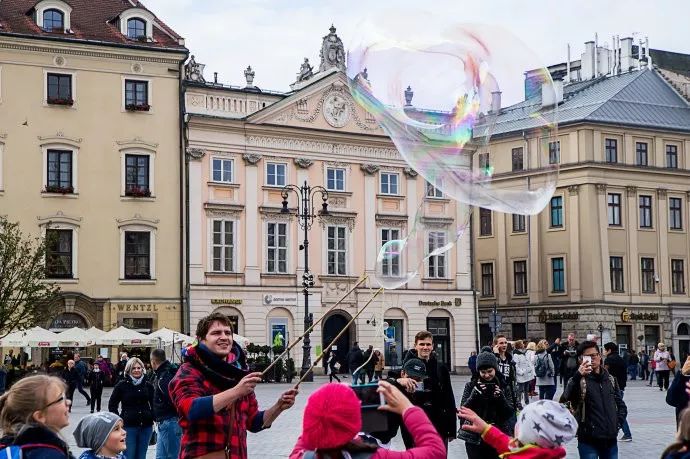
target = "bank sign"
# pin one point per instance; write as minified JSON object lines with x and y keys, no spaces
{"x":279,"y":299}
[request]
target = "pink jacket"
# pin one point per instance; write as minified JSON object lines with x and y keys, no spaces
{"x":501,"y":443}
{"x":429,"y":444}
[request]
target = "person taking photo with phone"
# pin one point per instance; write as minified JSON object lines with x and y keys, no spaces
{"x":488,"y":395}
{"x":594,"y":398}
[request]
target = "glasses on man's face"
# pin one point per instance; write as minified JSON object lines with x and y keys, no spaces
{"x":63,"y":398}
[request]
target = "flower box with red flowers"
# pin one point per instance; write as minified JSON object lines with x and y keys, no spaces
{"x":61,"y":101}
{"x":59,"y":189}
{"x":138,"y":192}
{"x":138,"y":107}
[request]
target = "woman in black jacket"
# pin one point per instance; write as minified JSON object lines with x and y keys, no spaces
{"x":96,"y":381}
{"x":489,"y":396}
{"x":135,"y":394}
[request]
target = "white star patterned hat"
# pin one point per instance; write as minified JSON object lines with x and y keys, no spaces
{"x":545,"y":423}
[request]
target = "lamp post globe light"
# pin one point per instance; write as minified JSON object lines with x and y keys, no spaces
{"x":305,"y":218}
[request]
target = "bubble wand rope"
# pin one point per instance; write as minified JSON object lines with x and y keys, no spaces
{"x":309,"y":330}
{"x":345,"y":328}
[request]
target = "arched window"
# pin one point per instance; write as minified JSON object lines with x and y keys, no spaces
{"x":136,"y":28}
{"x":683,"y":329}
{"x":53,"y":20}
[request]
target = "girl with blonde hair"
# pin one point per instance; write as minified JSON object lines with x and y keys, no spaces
{"x":32,"y":413}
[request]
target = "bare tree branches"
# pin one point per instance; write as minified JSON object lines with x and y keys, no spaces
{"x":26,"y":298}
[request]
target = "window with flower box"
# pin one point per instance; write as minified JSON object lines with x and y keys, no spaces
{"x":59,"y":168}
{"x":137,"y":176}
{"x":59,"y":90}
{"x":137,"y":95}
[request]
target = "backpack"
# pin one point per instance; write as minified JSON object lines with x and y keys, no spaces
{"x":541,"y":367}
{"x":16,"y":451}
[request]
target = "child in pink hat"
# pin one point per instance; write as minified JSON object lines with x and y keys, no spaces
{"x":332,"y":419}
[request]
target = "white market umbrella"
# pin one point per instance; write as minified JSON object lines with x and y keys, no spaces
{"x":167,"y":336}
{"x":76,"y":337}
{"x":34,"y":337}
{"x":123,"y":336}
{"x":95,"y":332}
{"x":241,"y":340}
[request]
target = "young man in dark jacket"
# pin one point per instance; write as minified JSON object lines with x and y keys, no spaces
{"x":506,"y":367}
{"x":355,"y":359}
{"x":617,"y":368}
{"x":601,"y":410}
{"x":164,"y":412}
{"x":568,"y":359}
{"x":441,"y":406}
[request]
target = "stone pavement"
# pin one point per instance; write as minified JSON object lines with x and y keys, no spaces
{"x":652,"y":422}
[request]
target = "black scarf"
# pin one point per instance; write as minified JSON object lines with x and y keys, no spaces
{"x":223,"y":374}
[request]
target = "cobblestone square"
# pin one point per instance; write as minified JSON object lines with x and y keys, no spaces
{"x":651,"y":421}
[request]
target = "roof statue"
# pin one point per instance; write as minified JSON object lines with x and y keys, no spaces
{"x":194,"y":71}
{"x":305,"y":71}
{"x":332,"y":52}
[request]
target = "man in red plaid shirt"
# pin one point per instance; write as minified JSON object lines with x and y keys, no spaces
{"x":213,"y":392}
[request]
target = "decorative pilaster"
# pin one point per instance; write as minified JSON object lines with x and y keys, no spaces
{"x":370,"y":169}
{"x":195,"y":154}
{"x":632,"y":190}
{"x":410,"y":173}
{"x":662,"y":192}
{"x":601,"y":188}
{"x":573,"y":190}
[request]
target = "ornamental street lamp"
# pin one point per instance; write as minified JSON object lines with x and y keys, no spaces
{"x":305,"y":217}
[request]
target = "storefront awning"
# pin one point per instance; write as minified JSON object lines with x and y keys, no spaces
{"x":34,"y":337}
{"x":167,"y":336}
{"x":76,"y":337}
{"x":122,"y":336}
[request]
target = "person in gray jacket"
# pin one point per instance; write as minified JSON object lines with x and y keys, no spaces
{"x":545,"y":370}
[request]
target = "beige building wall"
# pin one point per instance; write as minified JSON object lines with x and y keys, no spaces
{"x":99,"y":132}
{"x":294,"y":131}
{"x":586,"y":241}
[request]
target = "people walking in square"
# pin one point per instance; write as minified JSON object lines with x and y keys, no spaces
{"x":164,"y":412}
{"x":506,"y":366}
{"x":380,"y":365}
{"x":132,"y":400}
{"x":70,"y":376}
{"x":644,"y":365}
{"x":568,"y":359}
{"x":662,"y":358}
{"x":369,"y":363}
{"x":96,"y":380}
{"x":615,"y":365}
{"x":555,"y":352}
{"x":541,"y":432}
{"x":333,"y":418}
{"x":594,"y":395}
{"x":355,"y":360}
{"x":488,"y":395}
{"x":677,"y":395}
{"x":331,"y":367}
{"x":524,"y":371}
{"x":32,"y":413}
{"x":441,"y":405}
{"x":544,"y":369}
{"x":103,"y":435}
{"x":82,"y":370}
{"x":652,"y":369}
{"x":633,"y":365}
{"x":213,"y":392}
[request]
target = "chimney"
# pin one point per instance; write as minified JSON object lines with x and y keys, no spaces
{"x":596,"y":55}
{"x":215,"y":77}
{"x":626,"y":54}
{"x":495,"y":102}
{"x":551,"y":93}
{"x":567,"y":66}
{"x":649,"y":53}
{"x":588,"y":61}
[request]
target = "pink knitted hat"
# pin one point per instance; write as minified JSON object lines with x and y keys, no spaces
{"x":332,"y":417}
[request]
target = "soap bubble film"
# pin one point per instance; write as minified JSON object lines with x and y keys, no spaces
{"x":438,"y":98}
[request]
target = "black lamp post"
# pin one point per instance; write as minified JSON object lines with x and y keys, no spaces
{"x":305,"y":217}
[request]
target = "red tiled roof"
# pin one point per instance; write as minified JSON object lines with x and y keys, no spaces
{"x":92,"y":20}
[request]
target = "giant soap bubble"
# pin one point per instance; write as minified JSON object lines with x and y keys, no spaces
{"x":443,"y":133}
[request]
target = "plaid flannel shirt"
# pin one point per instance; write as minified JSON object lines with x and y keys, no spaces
{"x":217,"y":431}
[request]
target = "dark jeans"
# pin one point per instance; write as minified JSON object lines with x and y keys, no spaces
{"x":547,"y":392}
{"x":333,"y":375}
{"x":588,"y":451}
{"x":169,"y":437}
{"x":632,"y":371}
{"x":370,"y":375}
{"x":70,"y":394}
{"x":96,"y":398}
{"x":81,"y":390}
{"x":138,"y":441}
{"x":625,"y":427}
{"x":662,"y":378}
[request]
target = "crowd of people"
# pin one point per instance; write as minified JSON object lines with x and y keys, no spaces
{"x":206,"y":407}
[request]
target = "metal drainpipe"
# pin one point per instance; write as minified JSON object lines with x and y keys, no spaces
{"x":184,"y":208}
{"x":474,"y":290}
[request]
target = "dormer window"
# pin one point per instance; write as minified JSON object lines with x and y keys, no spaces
{"x":136,"y":29}
{"x":53,"y":20}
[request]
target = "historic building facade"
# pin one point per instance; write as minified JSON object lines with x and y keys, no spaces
{"x":244,"y":146}
{"x":609,"y":255}
{"x":90,"y":131}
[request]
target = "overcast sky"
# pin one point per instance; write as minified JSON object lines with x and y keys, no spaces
{"x":274,"y":36}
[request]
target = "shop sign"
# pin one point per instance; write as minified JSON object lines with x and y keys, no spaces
{"x":226,"y":301}
{"x":627,"y":316}
{"x":557,"y":316}
{"x":67,"y":320}
{"x":279,"y":299}
{"x":436,"y":303}
{"x":137,"y":307}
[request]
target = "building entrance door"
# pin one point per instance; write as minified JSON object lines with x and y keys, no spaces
{"x":331,"y":327}
{"x":439,"y":327}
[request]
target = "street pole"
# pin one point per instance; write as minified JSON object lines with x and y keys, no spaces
{"x":305,"y":218}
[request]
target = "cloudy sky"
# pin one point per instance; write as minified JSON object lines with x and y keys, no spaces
{"x":274,"y":36}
